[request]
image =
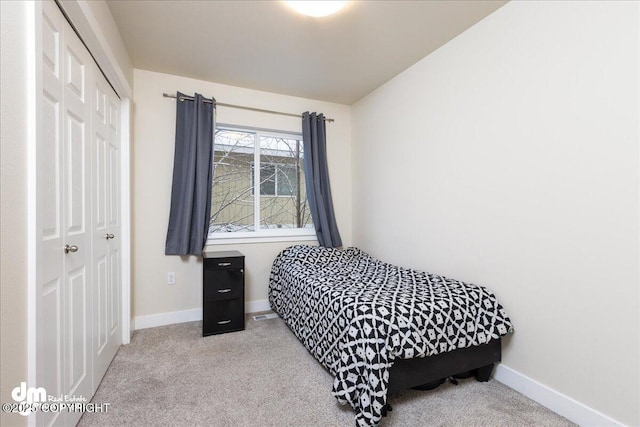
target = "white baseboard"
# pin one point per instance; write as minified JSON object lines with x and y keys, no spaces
{"x":170,"y":318}
{"x":257,"y":306}
{"x":552,"y":399}
{"x":192,"y":315}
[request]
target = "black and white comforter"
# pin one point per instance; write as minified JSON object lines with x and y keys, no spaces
{"x":356,"y":315}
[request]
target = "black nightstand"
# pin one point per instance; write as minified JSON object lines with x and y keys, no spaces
{"x":222,"y":292}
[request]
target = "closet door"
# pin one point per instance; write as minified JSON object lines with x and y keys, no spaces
{"x":50,"y":183}
{"x":64,"y":359}
{"x":106,"y":227}
{"x":76,"y":202}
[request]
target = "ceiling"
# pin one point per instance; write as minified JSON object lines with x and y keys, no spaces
{"x":265,"y":45}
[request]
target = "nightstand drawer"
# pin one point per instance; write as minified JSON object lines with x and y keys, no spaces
{"x":223,"y":263}
{"x":223,"y":284}
{"x":223,"y":316}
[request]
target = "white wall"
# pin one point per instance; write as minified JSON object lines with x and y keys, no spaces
{"x":13,"y":203}
{"x":153,"y":149}
{"x":509,"y":158}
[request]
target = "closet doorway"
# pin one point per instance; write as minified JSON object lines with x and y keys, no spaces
{"x":77,"y":311}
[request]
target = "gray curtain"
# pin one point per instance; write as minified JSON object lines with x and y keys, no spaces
{"x":317,"y":180}
{"x":192,"y":175}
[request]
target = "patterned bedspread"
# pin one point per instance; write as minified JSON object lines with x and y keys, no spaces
{"x":356,"y":315}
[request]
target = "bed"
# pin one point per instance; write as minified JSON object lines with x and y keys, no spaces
{"x":379,"y":327}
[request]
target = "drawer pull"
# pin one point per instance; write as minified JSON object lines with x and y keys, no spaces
{"x":224,"y":264}
{"x":224,"y":322}
{"x":224,"y":291}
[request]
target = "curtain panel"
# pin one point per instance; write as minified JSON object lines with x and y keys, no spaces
{"x":317,"y":180}
{"x":192,"y":177}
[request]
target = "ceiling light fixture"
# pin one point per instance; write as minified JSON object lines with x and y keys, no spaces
{"x":316,"y":8}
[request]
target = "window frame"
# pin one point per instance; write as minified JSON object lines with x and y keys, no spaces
{"x":261,"y":235}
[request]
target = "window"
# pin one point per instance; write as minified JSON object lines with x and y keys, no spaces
{"x":280,"y":207}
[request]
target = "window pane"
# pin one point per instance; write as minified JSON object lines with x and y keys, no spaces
{"x":287,"y":180}
{"x":287,"y":207}
{"x":305,"y":220}
{"x":232,"y":198}
{"x":267,"y":179}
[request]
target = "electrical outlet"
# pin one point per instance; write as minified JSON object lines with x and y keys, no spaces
{"x":171,"y":278}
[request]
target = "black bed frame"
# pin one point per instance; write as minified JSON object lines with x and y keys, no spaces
{"x":428,"y":372}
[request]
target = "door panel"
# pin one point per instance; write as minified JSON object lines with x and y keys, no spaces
{"x":100,"y":315}
{"x":51,"y":345}
{"x":114,"y":293}
{"x":100,"y":187}
{"x":77,"y":307}
{"x":51,"y":44}
{"x":115,"y":226}
{"x":100,"y":229}
{"x":101,"y":106}
{"x":114,"y":114}
{"x":114,"y":184}
{"x":50,"y":290}
{"x":50,"y":171}
{"x":75,"y":175}
{"x":106,"y":228}
{"x":75,"y":80}
{"x":77,"y":341}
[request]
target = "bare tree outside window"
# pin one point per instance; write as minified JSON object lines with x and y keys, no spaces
{"x":280,"y":203}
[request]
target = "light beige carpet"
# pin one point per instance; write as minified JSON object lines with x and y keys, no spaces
{"x":172,"y":376}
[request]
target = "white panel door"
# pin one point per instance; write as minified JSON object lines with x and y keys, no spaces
{"x":106,"y":227}
{"x":114,"y":210}
{"x":64,"y":294}
{"x":78,"y":74}
{"x":50,"y":322}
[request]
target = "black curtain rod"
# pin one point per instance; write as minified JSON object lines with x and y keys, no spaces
{"x":241,"y":107}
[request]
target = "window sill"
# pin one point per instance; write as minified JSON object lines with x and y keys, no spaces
{"x":230,"y":239}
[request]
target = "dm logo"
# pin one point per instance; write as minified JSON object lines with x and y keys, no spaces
{"x":30,"y":396}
